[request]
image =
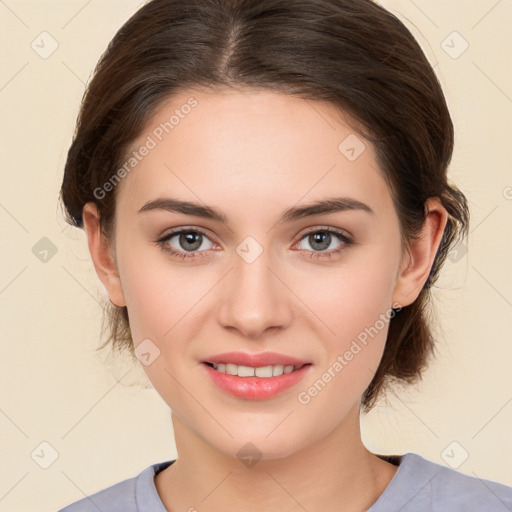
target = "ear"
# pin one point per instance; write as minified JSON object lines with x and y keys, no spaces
{"x":419,"y":257}
{"x":102,"y":254}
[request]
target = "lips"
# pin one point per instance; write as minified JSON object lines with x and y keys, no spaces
{"x":247,"y":375}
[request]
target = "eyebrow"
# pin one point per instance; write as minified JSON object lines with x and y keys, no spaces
{"x":330,"y":205}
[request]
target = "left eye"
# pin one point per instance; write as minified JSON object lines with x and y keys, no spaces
{"x":321,"y":239}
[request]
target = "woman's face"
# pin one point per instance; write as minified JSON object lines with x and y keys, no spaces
{"x":257,"y":281}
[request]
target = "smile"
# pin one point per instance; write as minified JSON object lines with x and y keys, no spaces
{"x":255,"y":382}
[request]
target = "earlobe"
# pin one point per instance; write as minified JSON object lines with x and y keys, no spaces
{"x":420,"y":255}
{"x":102,"y":255}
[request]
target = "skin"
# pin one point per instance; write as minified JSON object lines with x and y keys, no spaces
{"x":252,"y":154}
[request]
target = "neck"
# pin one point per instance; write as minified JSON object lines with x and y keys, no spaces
{"x":337,"y":469}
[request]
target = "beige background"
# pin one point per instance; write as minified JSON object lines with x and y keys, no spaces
{"x":55,"y":389}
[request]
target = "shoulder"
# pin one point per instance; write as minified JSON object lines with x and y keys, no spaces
{"x":112,"y":498}
{"x":421,"y":485}
{"x":123,"y":496}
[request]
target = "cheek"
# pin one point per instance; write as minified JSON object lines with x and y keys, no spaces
{"x":158,"y":294}
{"x":353,"y":305}
{"x":354,"y":295}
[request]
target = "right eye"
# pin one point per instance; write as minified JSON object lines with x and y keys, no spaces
{"x":184,"y":243}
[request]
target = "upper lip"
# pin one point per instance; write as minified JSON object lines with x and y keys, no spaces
{"x":255,"y":360}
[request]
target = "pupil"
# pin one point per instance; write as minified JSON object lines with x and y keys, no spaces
{"x":193,"y":239}
{"x":322,"y":238}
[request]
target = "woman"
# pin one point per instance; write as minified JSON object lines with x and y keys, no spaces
{"x":263,"y":187}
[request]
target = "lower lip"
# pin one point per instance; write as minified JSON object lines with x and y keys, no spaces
{"x":256,"y":388}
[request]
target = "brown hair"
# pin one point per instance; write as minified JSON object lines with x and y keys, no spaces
{"x":352,"y":53}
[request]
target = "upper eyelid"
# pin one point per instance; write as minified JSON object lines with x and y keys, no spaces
{"x":177,"y":231}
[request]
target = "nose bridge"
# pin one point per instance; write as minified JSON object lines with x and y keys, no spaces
{"x":255,"y":299}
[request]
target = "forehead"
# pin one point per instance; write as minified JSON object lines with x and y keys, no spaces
{"x":248,"y":148}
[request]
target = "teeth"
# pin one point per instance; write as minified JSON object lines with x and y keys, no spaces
{"x":277,"y":370}
{"x":232,"y":369}
{"x":248,"y":371}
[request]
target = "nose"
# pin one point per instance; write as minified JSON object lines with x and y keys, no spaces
{"x":255,"y":298}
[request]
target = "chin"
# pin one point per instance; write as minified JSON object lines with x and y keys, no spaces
{"x":249,"y":448}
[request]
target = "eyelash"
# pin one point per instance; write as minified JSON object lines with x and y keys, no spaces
{"x":341,"y":236}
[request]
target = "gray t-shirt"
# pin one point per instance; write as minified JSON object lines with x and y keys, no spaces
{"x":419,"y":485}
